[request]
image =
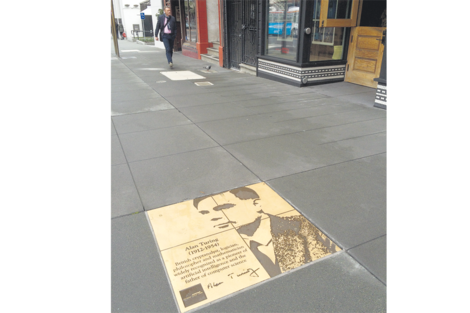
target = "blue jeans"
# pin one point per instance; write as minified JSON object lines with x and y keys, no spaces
{"x":169,"y":41}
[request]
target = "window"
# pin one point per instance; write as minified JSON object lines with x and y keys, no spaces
{"x":283,"y":29}
{"x":190,"y":33}
{"x":328,"y":42}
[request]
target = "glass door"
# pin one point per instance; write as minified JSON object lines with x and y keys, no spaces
{"x":330,"y":19}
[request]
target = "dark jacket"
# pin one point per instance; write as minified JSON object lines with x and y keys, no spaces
{"x":161,"y":22}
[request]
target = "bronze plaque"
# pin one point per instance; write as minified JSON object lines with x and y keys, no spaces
{"x":219,"y":244}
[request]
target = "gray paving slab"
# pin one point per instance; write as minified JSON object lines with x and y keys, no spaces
{"x":120,"y":70}
{"x":360,"y":147}
{"x":347,"y":131}
{"x":143,"y":105}
{"x":340,"y":89}
{"x":364,"y":98}
{"x":319,"y":107}
{"x":117,"y":155}
{"x":373,"y":256}
{"x":160,"y":77}
{"x":134,"y":95}
{"x":335,"y":119}
{"x":168,"y":180}
{"x":164,"y":141}
{"x":184,"y":101}
{"x":246,"y":128}
{"x":178,"y":88}
{"x":346,"y":201}
{"x":262,"y":101}
{"x":217,"y":111}
{"x":149,"y":120}
{"x":122,"y":74}
{"x":125,"y":199}
{"x":118,"y":66}
{"x":280,"y":156}
{"x":149,"y":73}
{"x":132,"y":86}
{"x":335,"y":284}
{"x":124,"y":80}
{"x":138,"y":280}
{"x":239,"y":129}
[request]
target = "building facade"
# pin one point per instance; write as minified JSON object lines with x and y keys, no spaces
{"x":298,"y":42}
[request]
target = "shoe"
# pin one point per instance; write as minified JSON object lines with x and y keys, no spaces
{"x":171,"y":65}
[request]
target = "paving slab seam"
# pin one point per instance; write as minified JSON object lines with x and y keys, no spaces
{"x":164,"y":127}
{"x":294,"y":101}
{"x":265,"y":113}
{"x":271,"y":279}
{"x":187,"y":199}
{"x":365,"y":267}
{"x":133,"y":113}
{"x":306,"y":216}
{"x":317,"y":168}
{"x":234,"y":101}
{"x":300,"y":131}
{"x":126,"y":215}
{"x":173,"y":154}
{"x":217,"y":144}
{"x":349,"y":94}
{"x":349,"y":138}
{"x":329,"y":235}
{"x":358,"y":245}
{"x":162,"y":261}
{"x":191,"y":106}
{"x":347,"y":111}
{"x":133,"y":100}
{"x":130,"y":171}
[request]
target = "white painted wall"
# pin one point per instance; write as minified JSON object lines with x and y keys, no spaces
{"x":155,"y":5}
{"x":131,"y":15}
{"x":212,"y":20}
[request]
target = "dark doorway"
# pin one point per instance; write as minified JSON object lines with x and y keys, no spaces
{"x":242,"y":32}
{"x":148,"y":26}
{"x":374,"y":13}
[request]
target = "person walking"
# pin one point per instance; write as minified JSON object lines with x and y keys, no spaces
{"x":121,"y":30}
{"x":166,"y":30}
{"x":116,"y":26}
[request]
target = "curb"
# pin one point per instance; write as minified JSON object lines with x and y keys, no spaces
{"x":145,"y":43}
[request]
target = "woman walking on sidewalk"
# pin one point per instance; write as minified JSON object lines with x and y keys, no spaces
{"x":166,"y":29}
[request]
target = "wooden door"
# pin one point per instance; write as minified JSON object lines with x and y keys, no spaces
{"x":364,"y":56}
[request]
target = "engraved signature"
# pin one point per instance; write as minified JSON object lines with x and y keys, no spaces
{"x":250,"y":271}
{"x":212,"y":285}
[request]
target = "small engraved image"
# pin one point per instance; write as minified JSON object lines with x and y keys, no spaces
{"x":280,"y":243}
{"x":193,"y":295}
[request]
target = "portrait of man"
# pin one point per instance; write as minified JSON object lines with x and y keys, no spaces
{"x":280,"y":242}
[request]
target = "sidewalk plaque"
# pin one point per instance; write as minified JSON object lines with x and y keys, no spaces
{"x":216,"y":245}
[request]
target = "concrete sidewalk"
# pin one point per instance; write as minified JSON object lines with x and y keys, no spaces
{"x":321,"y":148}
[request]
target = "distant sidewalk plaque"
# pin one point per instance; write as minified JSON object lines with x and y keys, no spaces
{"x":216,"y":245}
{"x":182,"y":75}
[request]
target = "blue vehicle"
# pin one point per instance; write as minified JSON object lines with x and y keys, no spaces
{"x":276,"y":22}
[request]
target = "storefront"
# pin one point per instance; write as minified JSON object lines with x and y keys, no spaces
{"x":306,"y":42}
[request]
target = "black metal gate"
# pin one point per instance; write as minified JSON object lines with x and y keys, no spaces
{"x":250,"y":32}
{"x":242,"y":32}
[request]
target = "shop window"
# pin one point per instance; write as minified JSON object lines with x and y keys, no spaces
{"x":328,"y":42}
{"x":283,"y":29}
{"x":190,"y":15}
